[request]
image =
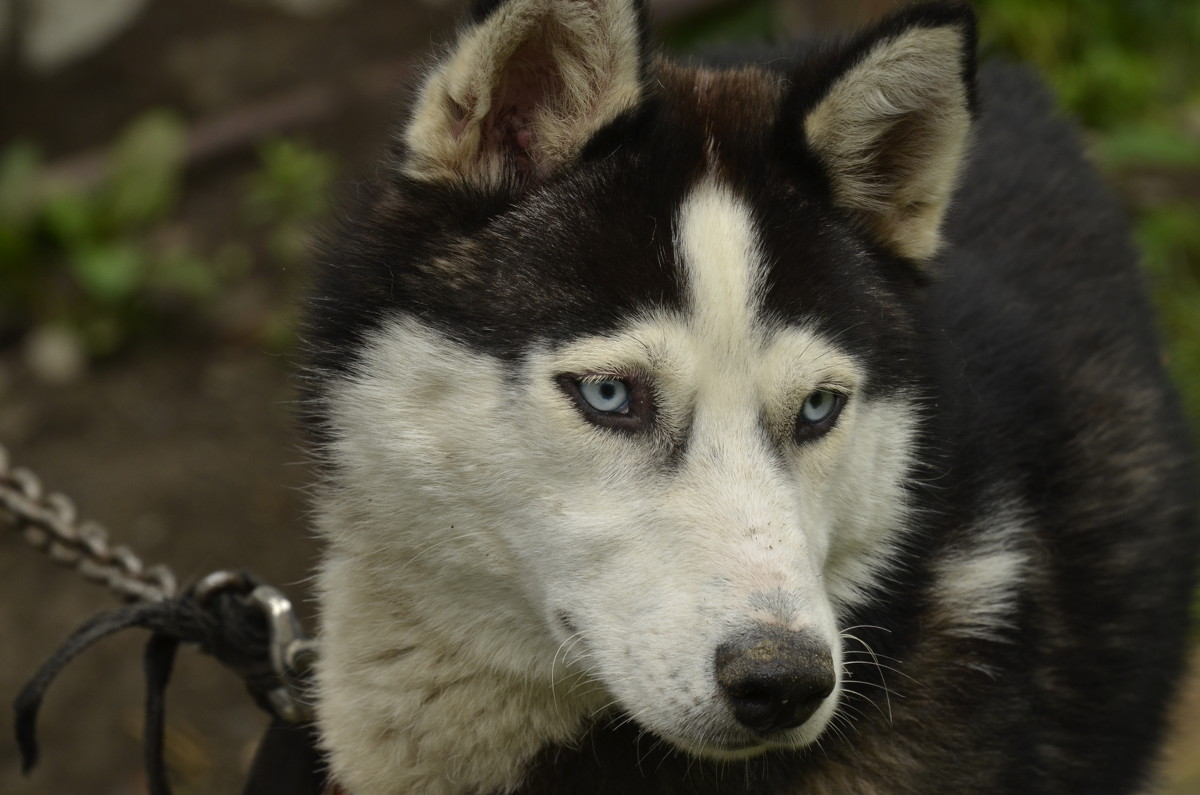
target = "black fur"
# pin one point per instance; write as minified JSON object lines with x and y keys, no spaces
{"x":1038,"y":289}
{"x":1028,"y":341}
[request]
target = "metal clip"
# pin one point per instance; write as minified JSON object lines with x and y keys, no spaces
{"x":216,"y":582}
{"x":292,"y":654}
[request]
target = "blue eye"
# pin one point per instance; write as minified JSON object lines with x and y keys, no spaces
{"x":614,"y":403}
{"x":819,"y":406}
{"x":609,"y":395}
{"x":818,"y":414}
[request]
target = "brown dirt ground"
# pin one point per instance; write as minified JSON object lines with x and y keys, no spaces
{"x":188,"y":451}
{"x":186,"y":448}
{"x":189,"y":456}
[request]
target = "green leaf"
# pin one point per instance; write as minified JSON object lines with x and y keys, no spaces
{"x":109,"y":273}
{"x":145,"y":171}
{"x":293,"y":184}
{"x":20,"y":167}
{"x":20,"y":206}
{"x":71,"y":219}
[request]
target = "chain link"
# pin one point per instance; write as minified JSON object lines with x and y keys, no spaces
{"x":48,"y":522}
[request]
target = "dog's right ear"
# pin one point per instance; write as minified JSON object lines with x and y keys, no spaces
{"x":524,"y":89}
{"x":891,"y":124}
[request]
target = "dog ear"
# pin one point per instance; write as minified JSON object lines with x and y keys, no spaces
{"x":528,"y":83}
{"x":891,"y":126}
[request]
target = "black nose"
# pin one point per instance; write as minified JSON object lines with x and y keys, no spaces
{"x":774,"y":678}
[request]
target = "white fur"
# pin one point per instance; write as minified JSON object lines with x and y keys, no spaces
{"x":979,"y":582}
{"x":473,"y":507}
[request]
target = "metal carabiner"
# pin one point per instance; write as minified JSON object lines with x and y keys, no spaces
{"x":292,"y":654}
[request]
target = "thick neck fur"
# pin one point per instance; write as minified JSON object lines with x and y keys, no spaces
{"x":413,"y":711}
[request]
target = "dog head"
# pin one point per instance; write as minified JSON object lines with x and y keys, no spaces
{"x":619,"y":366}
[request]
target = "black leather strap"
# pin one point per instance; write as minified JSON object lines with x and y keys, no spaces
{"x":287,"y":762}
{"x":229,"y":625}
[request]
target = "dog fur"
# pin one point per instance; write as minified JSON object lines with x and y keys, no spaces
{"x":982,"y":554}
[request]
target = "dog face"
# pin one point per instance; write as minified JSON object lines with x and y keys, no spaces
{"x":726,"y":473}
{"x":694,"y":478}
{"x":621,"y":373}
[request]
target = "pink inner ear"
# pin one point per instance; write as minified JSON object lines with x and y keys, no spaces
{"x":508,"y":131}
{"x":528,"y":83}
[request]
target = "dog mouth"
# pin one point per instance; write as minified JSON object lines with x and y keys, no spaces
{"x":716,"y":738}
{"x":730,"y":746}
{"x":722,"y":749}
{"x":714,"y":733}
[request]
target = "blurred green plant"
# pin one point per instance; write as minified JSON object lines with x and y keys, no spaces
{"x":740,"y":20}
{"x":1169,"y":235}
{"x":1129,"y":70}
{"x":286,"y":198}
{"x":1116,"y":64}
{"x":288,"y":194}
{"x":81,"y":258}
{"x":112,"y":263}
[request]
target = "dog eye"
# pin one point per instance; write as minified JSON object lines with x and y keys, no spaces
{"x":818,"y":414}
{"x":610,"y":395}
{"x":620,"y":404}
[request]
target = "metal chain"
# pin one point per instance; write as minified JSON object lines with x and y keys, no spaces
{"x":48,"y":522}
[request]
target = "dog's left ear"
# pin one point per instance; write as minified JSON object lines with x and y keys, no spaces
{"x":525,"y":88}
{"x":891,"y":124}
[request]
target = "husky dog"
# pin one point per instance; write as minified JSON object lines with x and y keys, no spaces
{"x":786,"y":426}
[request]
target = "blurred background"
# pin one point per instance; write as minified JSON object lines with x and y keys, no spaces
{"x":162,"y":166}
